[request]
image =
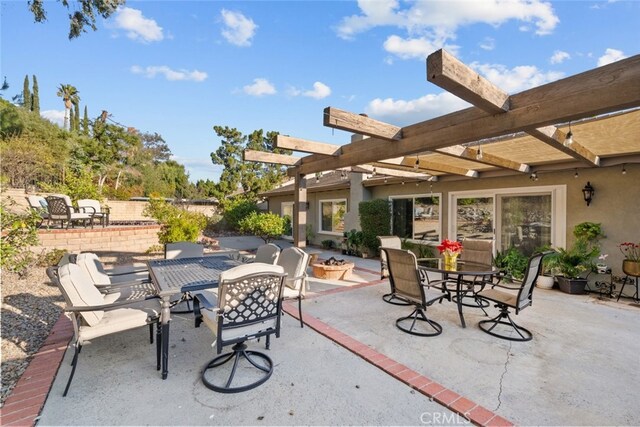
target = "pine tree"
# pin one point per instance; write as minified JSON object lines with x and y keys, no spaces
{"x":26,"y":94}
{"x":72,"y":119}
{"x":85,"y":122}
{"x":35,"y":99}
{"x":76,"y":117}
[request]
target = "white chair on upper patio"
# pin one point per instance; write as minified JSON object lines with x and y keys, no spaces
{"x":94,"y":208}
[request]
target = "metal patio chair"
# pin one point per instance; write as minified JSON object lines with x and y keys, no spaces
{"x":295,"y":262}
{"x":392,"y":242}
{"x":93,"y":207}
{"x":60,"y":210}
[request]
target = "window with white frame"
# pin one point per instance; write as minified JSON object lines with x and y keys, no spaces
{"x":332,"y":216}
{"x":286,"y":212}
{"x":416,"y":217}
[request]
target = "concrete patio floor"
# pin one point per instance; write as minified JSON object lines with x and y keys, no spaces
{"x":345,"y":367}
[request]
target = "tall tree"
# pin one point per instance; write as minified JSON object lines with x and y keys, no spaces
{"x":69,"y":95}
{"x":26,"y":94}
{"x":5,"y":84}
{"x":155,"y":147}
{"x":76,"y":117}
{"x":85,"y":122}
{"x":35,"y":98}
{"x":83,"y":16}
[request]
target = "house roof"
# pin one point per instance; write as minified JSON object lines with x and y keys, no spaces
{"x":334,"y":180}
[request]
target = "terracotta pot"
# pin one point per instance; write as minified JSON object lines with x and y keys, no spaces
{"x":631,"y":268}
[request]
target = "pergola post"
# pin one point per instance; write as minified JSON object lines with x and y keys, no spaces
{"x":300,"y":211}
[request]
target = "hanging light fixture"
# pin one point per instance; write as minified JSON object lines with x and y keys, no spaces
{"x":385,"y":179}
{"x":568,"y":140}
{"x":479,"y":152}
{"x":417,"y":183}
{"x":373,"y":173}
{"x":624,"y":170}
{"x":417,"y":164}
{"x":588,"y":192}
{"x":402,"y":182}
{"x":318,"y":177}
{"x":534,"y":176}
{"x":575,"y":175}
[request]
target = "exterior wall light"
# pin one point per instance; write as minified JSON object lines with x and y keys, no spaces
{"x":588,"y":193}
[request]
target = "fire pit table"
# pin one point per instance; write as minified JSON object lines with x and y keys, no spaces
{"x":333,"y":269}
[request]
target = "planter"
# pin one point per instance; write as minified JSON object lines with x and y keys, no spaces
{"x":333,"y":272}
{"x":571,"y":286}
{"x":545,"y":282}
{"x":631,"y":268}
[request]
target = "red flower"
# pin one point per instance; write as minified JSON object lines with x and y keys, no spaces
{"x":631,"y":251}
{"x":450,"y":247}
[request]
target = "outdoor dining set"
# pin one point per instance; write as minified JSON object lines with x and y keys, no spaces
{"x":59,"y":207}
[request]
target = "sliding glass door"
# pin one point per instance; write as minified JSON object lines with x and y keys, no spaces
{"x":525,"y":222}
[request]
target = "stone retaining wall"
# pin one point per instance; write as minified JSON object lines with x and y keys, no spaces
{"x":117,"y":239}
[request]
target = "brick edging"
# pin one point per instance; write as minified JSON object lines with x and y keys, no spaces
{"x":470,"y":410}
{"x":27,"y":398}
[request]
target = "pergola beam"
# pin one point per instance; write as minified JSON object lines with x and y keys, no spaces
{"x":471,"y":153}
{"x":437,"y":166}
{"x":265,"y":157}
{"x":306,"y":146}
{"x":345,"y":120}
{"x":390,"y":170}
{"x":606,"y":89}
{"x":446,"y":71}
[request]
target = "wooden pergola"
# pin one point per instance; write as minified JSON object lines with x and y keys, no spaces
{"x":501,"y":134}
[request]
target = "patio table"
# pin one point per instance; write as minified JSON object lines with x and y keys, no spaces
{"x":461,"y":269}
{"x":172,"y":276}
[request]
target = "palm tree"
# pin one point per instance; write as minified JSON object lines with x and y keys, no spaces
{"x":69,"y":95}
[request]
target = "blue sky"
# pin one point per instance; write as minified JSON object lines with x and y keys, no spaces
{"x":179,"y":68}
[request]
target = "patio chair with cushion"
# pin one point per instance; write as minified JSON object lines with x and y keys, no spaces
{"x":94,"y":317}
{"x":181,"y":303}
{"x":267,"y":254}
{"x":93,"y":207}
{"x":295,"y":262}
{"x":248,"y":306}
{"x":38,"y":204}
{"x":408,"y":284}
{"x":392,"y":242}
{"x":518,"y":296}
{"x":60,"y":210}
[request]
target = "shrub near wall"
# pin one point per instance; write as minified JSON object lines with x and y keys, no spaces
{"x":375,"y":220}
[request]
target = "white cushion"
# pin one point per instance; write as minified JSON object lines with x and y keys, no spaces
{"x":91,"y":264}
{"x":294,"y":262}
{"x":121,"y":319}
{"x":267,"y":254}
{"x":79,"y":290}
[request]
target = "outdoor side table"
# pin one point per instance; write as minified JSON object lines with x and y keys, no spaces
{"x":461,"y":269}
{"x":172,"y":276}
{"x":600,"y":283}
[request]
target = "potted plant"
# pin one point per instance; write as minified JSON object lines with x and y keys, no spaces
{"x":631,"y":262}
{"x":574,"y":261}
{"x":546,"y":279}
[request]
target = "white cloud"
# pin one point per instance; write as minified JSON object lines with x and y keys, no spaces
{"x":239,"y":30}
{"x":489,"y":43}
{"x":319,"y":91}
{"x":516,"y":79}
{"x":54,"y":116}
{"x":611,"y":55}
{"x":169,"y":74}
{"x":260,"y":87}
{"x":137,"y":26}
{"x":401,"y":112}
{"x":414,"y":47}
{"x":559,"y":57}
{"x":430,"y":24}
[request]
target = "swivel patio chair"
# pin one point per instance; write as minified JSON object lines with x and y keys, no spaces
{"x":248,"y":306}
{"x":517,"y":297}
{"x":93,"y":207}
{"x":38,"y":204}
{"x":295,"y":262}
{"x":94,"y":317}
{"x":403,"y":272}
{"x":478,"y":251}
{"x":392,"y":242}
{"x":60,"y":210}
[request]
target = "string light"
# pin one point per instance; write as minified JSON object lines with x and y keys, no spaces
{"x":568,"y":140}
{"x":624,"y":170}
{"x":402,"y":182}
{"x":431,"y":188}
{"x":534,"y":176}
{"x":479,"y":154}
{"x":373,"y":173}
{"x":417,"y":183}
{"x":385,"y":179}
{"x":575,"y":175}
{"x":417,"y":165}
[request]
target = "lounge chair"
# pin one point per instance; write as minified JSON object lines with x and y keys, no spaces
{"x":39,"y":205}
{"x":60,"y":210}
{"x":93,"y":207}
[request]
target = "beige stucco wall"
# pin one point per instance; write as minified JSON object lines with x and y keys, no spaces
{"x":616,"y":203}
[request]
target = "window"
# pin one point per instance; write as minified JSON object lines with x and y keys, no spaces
{"x":286,"y":212}
{"x":332,"y":216}
{"x":474,"y":217}
{"x":416,"y":217}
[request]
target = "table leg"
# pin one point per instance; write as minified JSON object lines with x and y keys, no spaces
{"x":459,"y":299}
{"x":165,"y":319}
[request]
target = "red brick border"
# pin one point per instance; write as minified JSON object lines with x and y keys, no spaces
{"x":27,"y":398}
{"x":470,"y":410}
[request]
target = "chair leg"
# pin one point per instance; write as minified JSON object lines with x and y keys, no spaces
{"x":504,"y":318}
{"x":393,"y":299}
{"x":624,"y":283}
{"x":300,"y":311}
{"x":415,"y":316}
{"x":150,"y":333}
{"x":158,"y":345}
{"x":74,"y":364}
{"x":239,"y":352}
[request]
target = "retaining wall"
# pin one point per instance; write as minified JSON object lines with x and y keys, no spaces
{"x":113,"y":239}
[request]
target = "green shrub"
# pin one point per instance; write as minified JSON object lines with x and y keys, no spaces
{"x":375,"y":220}
{"x":512,"y":263}
{"x":51,"y":257}
{"x":177,"y":224}
{"x":268,"y":226}
{"x":328,"y":244}
{"x":420,"y":251}
{"x":19,"y":233}
{"x":77,"y":186}
{"x":236,"y":210}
